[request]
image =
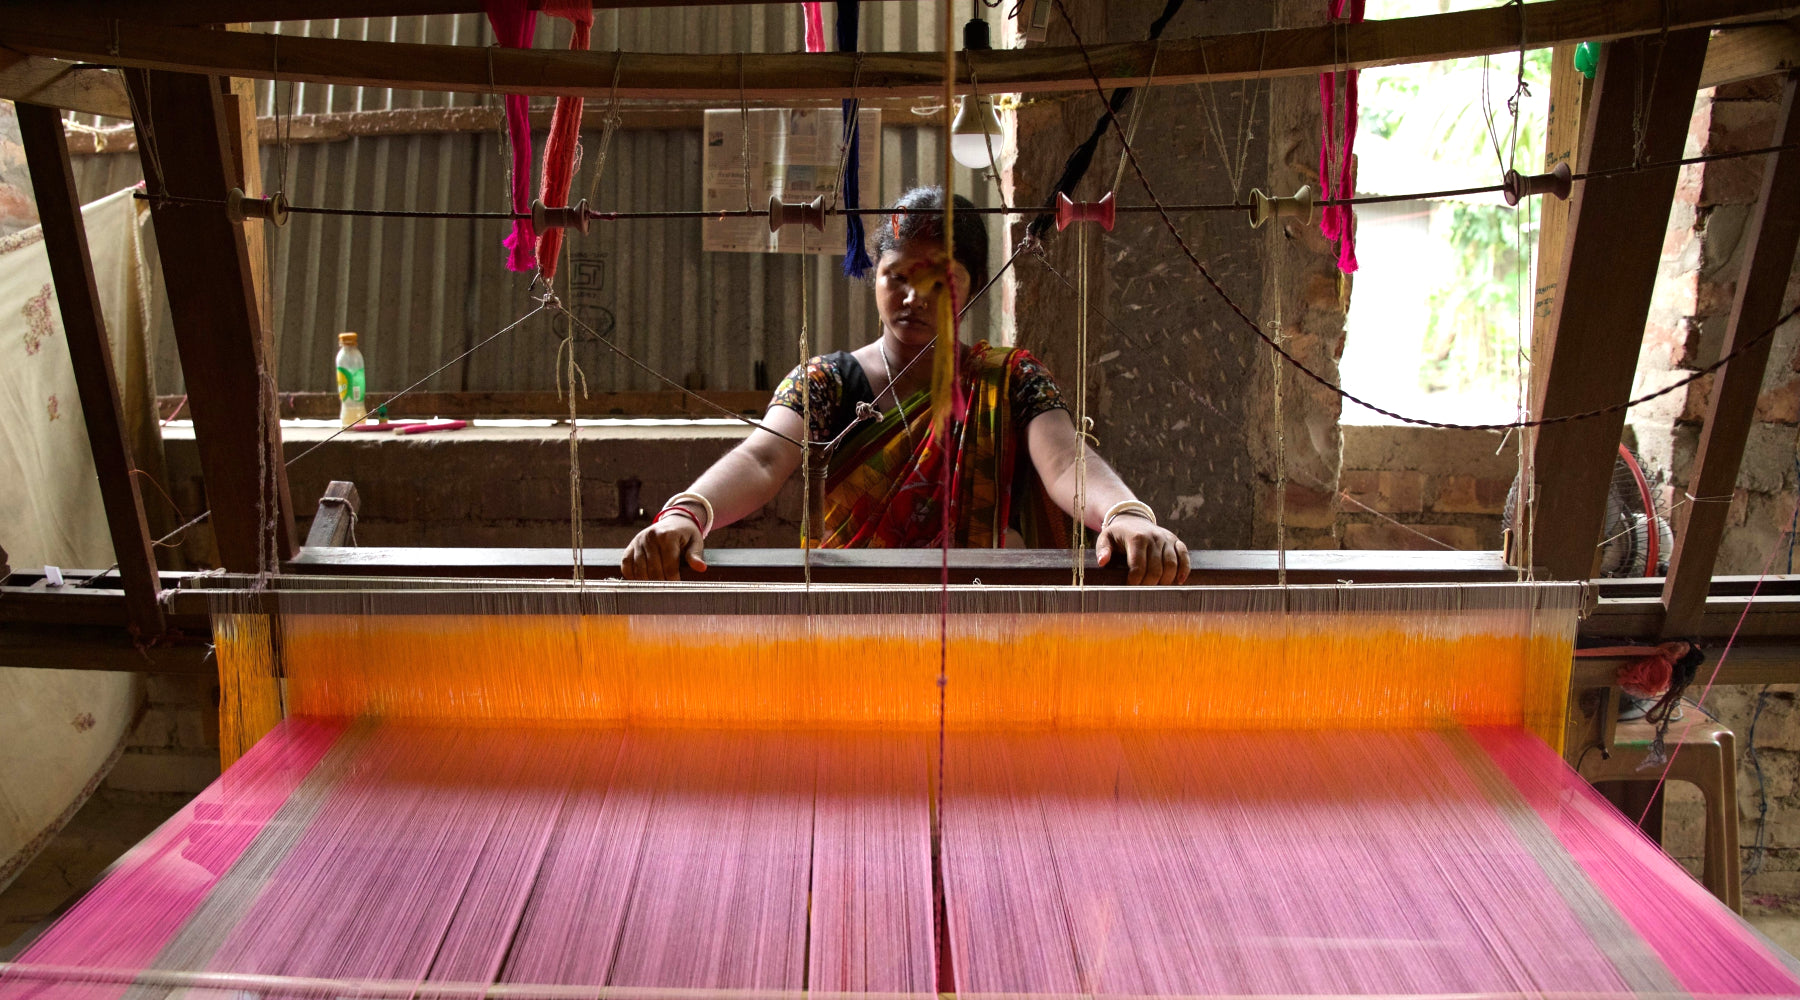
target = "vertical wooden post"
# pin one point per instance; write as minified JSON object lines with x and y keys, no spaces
{"x":226,"y":358}
{"x":1642,"y":100}
{"x":65,"y":241}
{"x":1562,"y":141}
{"x":1769,"y":260}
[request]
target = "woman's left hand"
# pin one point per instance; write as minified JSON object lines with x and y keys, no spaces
{"x":1154,"y":554}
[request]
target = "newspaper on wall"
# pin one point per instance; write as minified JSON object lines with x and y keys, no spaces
{"x":794,"y":154}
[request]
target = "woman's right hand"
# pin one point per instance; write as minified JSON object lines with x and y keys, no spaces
{"x":657,"y":551}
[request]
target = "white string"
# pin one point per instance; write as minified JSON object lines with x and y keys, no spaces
{"x":1078,"y":539}
{"x":806,"y":526}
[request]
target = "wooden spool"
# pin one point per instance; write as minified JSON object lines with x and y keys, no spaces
{"x":1515,"y":187}
{"x":1070,"y":212}
{"x":810,"y":213}
{"x":573,"y":217}
{"x":1298,"y":206}
{"x":240,"y":206}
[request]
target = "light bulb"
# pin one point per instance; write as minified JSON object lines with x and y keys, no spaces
{"x":977,"y":124}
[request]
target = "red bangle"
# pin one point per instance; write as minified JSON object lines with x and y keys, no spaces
{"x":683,"y":511}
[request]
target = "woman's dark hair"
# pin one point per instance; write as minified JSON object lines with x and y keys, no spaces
{"x":920,"y":221}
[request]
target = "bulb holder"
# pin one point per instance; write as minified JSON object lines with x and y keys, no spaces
{"x":273,"y":209}
{"x":976,"y":35}
{"x":804,"y":213}
{"x":574,"y":217}
{"x":1070,"y":212}
{"x":1516,"y":187}
{"x":1299,"y":206}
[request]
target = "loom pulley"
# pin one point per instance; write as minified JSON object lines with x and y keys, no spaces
{"x":1299,"y":205}
{"x":1516,"y":187}
{"x":574,"y":216}
{"x":1070,"y":212}
{"x":807,"y":213}
{"x":240,"y":207}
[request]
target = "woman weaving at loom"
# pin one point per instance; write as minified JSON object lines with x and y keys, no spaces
{"x":1013,"y":458}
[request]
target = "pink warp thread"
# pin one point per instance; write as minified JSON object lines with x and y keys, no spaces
{"x":815,"y":26}
{"x":1707,"y":947}
{"x":514,"y":25}
{"x":1338,"y":222}
{"x":1145,"y":863}
{"x":565,"y":136}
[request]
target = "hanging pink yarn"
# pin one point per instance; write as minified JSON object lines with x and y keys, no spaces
{"x":565,"y":136}
{"x":514,"y":25}
{"x":815,"y":27}
{"x":1338,"y":222}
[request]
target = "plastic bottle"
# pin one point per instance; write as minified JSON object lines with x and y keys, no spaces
{"x":350,"y":381}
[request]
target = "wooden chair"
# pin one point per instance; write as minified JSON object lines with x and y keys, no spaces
{"x":1707,"y":759}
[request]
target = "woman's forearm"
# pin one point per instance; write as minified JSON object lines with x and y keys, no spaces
{"x":750,"y":475}
{"x":1054,"y":446}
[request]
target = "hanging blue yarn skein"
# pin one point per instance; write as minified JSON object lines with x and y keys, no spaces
{"x":856,"y":254}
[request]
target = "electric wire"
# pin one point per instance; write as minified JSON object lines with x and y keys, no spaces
{"x":1155,"y":207}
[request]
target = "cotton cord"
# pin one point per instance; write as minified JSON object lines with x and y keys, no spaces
{"x":1078,"y":538}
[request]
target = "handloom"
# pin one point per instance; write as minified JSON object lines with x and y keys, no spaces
{"x":676,"y":791}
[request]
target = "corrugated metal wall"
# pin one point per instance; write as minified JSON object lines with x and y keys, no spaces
{"x":421,"y":292}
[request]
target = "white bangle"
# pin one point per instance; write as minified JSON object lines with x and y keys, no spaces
{"x":705,"y":504}
{"x":1137,"y":507}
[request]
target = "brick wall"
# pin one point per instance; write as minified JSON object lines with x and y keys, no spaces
{"x":499,"y":486}
{"x":1422,"y":488}
{"x":173,"y":752}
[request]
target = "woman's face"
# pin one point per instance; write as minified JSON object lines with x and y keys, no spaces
{"x":908,"y":281}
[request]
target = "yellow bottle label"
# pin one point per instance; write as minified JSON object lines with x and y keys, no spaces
{"x":350,"y":385}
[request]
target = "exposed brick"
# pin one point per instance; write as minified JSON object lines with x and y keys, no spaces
{"x":1387,"y":535}
{"x":1401,"y":493}
{"x":1470,"y":495}
{"x":1363,"y":485}
{"x":1731,"y":182}
{"x":155,"y":729}
{"x":1780,"y":403}
{"x":1308,"y":508}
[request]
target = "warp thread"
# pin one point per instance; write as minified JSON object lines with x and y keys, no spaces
{"x":514,"y":24}
{"x":815,"y":26}
{"x":856,"y":252}
{"x":564,"y":145}
{"x":1076,"y":166}
{"x":1338,"y":222}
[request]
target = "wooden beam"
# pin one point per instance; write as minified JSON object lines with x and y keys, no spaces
{"x":1642,"y":100}
{"x":1562,"y":141}
{"x":219,"y":328}
{"x":203,"y":12}
{"x":1769,"y":260}
{"x":334,"y":526}
{"x":1749,"y":52}
{"x":90,"y":90}
{"x":84,"y":647}
{"x":993,"y":566}
{"x":731,"y":77}
{"x":65,"y":242}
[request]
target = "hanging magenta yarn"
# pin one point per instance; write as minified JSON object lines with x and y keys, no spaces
{"x":565,"y":136}
{"x":514,"y":24}
{"x":815,"y":26}
{"x":1338,"y":222}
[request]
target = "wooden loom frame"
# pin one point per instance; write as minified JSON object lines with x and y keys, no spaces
{"x":178,"y":73}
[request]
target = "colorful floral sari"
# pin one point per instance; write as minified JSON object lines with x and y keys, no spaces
{"x":887,"y":480}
